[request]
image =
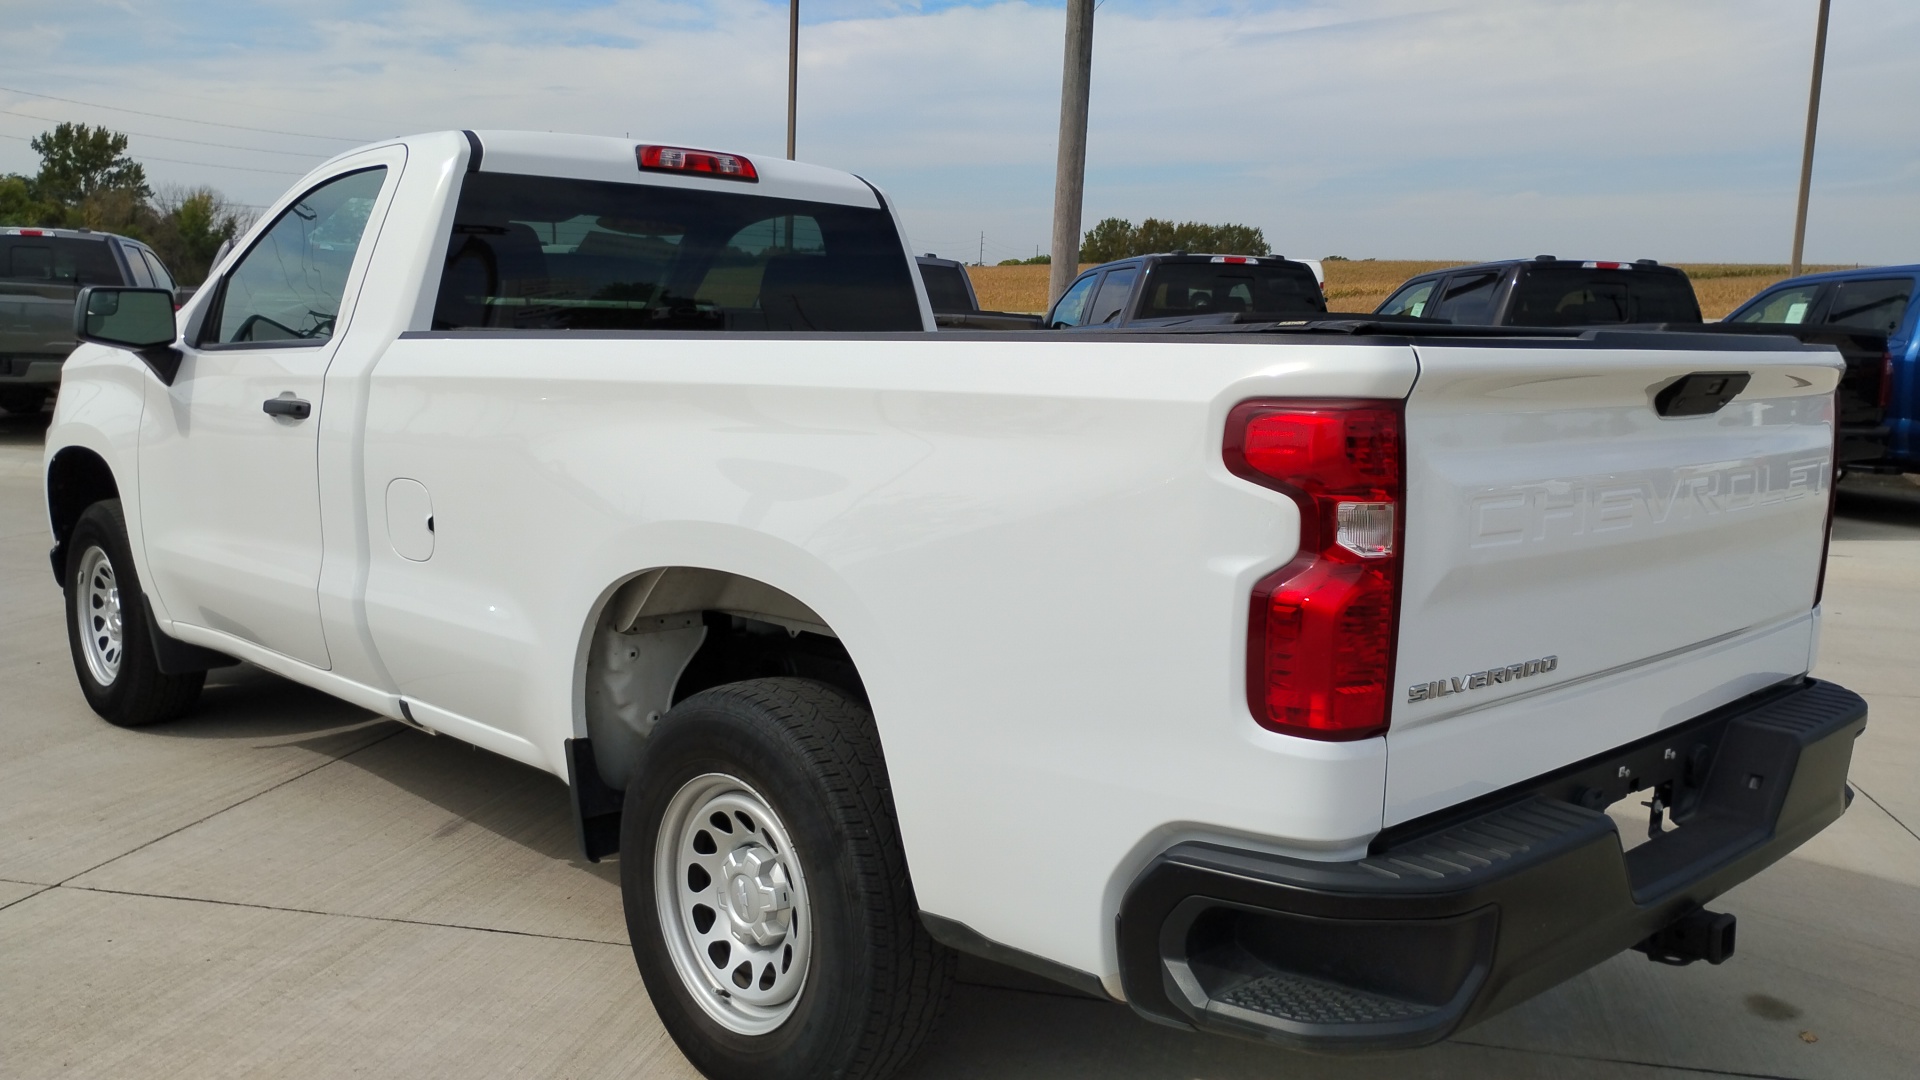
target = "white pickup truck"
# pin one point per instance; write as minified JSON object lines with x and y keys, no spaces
{"x":1273,"y":679}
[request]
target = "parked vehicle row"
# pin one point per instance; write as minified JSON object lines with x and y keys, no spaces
{"x":1870,"y":315}
{"x":41,"y":272}
{"x":1271,"y":677}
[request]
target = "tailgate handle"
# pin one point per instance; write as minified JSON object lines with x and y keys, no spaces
{"x":1701,"y":393}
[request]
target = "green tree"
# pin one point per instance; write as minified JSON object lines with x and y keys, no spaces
{"x":189,"y":227}
{"x":1117,"y":238}
{"x":87,"y":181}
{"x":78,"y":162}
{"x":20,"y":206}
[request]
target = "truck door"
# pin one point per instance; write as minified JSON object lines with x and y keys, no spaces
{"x":230,"y":498}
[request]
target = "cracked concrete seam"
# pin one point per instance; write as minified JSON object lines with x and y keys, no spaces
{"x":1908,"y":829}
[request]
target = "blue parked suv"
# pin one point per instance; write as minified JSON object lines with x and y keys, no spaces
{"x":1871,"y":316}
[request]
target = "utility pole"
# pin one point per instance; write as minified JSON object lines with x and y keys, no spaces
{"x":793,"y":70}
{"x":1069,"y":183}
{"x":982,"y":260}
{"x":1806,"y":155}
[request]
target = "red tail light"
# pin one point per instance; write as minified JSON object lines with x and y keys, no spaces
{"x":1320,"y":633}
{"x":709,"y":163}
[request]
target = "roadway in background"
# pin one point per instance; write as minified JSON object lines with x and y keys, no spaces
{"x":283,"y":885}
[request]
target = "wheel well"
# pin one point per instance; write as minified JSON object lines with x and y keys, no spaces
{"x":76,"y":479}
{"x":666,"y":635}
{"x":672,"y":632}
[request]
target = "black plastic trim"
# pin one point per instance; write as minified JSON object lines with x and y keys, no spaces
{"x":960,"y":937}
{"x":176,"y":657}
{"x":478,"y":152}
{"x":1460,"y":915}
{"x":596,"y":804}
{"x":877,"y":197}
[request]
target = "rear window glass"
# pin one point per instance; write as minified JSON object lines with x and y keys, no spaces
{"x":946,"y":288}
{"x":1876,"y":305}
{"x":1578,"y":296}
{"x":1215,"y":288}
{"x":57,"y":259}
{"x":541,"y":253}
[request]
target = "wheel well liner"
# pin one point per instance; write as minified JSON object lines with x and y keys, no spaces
{"x":76,"y":479}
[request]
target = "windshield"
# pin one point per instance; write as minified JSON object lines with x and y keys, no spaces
{"x":57,"y":260}
{"x":1196,"y":288}
{"x":1569,"y":295}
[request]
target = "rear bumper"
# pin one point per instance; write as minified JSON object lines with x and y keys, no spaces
{"x":1459,"y":915}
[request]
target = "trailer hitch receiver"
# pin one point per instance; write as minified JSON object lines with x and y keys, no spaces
{"x":1698,"y":935}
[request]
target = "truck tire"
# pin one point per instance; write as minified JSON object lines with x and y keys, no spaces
{"x":107,"y":627}
{"x":766,"y":890}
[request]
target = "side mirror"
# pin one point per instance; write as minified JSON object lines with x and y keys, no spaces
{"x":137,"y":319}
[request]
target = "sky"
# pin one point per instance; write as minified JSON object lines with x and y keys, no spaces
{"x":1666,"y":129}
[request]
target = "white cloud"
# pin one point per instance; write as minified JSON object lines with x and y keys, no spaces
{"x":1366,"y":127}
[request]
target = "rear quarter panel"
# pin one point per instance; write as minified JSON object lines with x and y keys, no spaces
{"x":1031,"y":548}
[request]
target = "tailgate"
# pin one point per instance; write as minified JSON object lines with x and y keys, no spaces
{"x":1581,"y":572}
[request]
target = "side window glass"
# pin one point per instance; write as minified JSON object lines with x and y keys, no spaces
{"x":161,"y":279}
{"x":1782,"y":306}
{"x":1870,"y":305}
{"x":1467,"y":299}
{"x":288,"y":288}
{"x":1072,"y":306}
{"x":1411,"y":300}
{"x":1112,"y":295}
{"x":137,"y":273}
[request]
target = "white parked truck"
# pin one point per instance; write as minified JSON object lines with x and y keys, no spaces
{"x":1273,"y":679}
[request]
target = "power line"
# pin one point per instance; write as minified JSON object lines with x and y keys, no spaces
{"x":184,"y":119}
{"x":175,"y":138}
{"x":177,"y":161}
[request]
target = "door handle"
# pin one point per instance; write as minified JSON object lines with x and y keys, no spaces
{"x":293,"y":408}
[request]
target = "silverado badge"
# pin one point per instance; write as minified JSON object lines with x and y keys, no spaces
{"x":1476,"y":680}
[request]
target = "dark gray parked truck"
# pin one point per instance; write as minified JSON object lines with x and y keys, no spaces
{"x":1545,"y":291}
{"x":41,"y":271}
{"x":955,"y":307}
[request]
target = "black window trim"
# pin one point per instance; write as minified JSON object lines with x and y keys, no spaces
{"x":1098,"y":275}
{"x":1502,"y":288}
{"x":215,"y":308}
{"x":1120,"y":317}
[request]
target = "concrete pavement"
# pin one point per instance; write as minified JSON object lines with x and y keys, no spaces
{"x":284,"y":885}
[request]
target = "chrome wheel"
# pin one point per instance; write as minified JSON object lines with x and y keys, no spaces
{"x":732,"y":903}
{"x":97,"y":616}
